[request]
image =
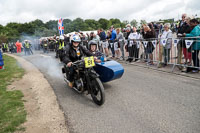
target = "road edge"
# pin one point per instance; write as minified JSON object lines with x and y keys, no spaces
{"x":57,"y":119}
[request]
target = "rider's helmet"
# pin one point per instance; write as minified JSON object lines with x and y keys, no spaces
{"x":76,"y":38}
{"x":92,"y":42}
{"x":61,"y":37}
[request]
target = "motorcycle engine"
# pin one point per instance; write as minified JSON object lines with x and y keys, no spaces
{"x":79,"y":84}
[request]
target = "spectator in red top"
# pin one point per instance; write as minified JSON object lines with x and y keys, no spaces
{"x":18,"y":45}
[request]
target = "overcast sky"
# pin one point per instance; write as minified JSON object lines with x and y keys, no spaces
{"x":150,"y":10}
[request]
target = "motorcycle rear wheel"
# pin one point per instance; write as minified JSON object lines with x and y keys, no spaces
{"x":97,"y":91}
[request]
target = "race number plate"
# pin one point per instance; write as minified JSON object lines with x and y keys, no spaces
{"x":89,"y":62}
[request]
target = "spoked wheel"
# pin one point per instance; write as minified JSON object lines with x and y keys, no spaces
{"x":97,"y":91}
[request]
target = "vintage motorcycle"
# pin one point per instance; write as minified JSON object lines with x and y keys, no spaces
{"x":86,"y":79}
{"x":89,"y":76}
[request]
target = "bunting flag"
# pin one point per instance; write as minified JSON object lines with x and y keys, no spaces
{"x":60,"y":26}
{"x":164,"y":41}
{"x":130,"y":43}
{"x":188,"y":43}
{"x":111,"y":45}
{"x":116,"y":46}
{"x":176,"y":42}
{"x":138,"y":44}
{"x":154,"y":43}
{"x":145,"y":43}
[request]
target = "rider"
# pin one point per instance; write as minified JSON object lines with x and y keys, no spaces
{"x":61,"y":46}
{"x":45,"y":46}
{"x":27,"y":47}
{"x":56,"y":45}
{"x":74,"y":52}
{"x":93,"y":49}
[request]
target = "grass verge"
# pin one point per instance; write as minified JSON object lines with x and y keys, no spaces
{"x":12,"y":112}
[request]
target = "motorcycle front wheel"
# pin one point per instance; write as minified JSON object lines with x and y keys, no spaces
{"x":97,"y":91}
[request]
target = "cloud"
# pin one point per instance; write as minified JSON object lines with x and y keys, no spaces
{"x":29,"y":10}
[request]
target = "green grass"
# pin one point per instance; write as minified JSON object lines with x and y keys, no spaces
{"x":12,"y":112}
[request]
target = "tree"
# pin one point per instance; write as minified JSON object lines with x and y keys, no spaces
{"x":52,"y":24}
{"x":125,"y":22}
{"x":3,"y":38}
{"x":68,"y":27}
{"x":11,"y":34}
{"x":67,"y":21}
{"x":104,"y":23}
{"x":15,"y":26}
{"x":79,"y":25}
{"x":28,"y":29}
{"x":92,"y":24}
{"x":1,"y":27}
{"x":143,"y":22}
{"x":134,"y":23}
{"x":115,"y":21}
{"x":37,"y":23}
{"x":38,"y":28}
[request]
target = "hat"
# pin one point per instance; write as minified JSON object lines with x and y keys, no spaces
{"x":128,"y":28}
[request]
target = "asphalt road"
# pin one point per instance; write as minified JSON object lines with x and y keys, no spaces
{"x":142,"y":101}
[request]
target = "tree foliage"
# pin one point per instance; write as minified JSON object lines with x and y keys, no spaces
{"x":134,"y":23}
{"x":143,"y":22}
{"x":13,"y":31}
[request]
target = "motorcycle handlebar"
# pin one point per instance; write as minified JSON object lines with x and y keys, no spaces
{"x":77,"y":62}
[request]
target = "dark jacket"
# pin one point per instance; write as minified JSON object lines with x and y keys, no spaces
{"x":148,"y":36}
{"x":97,"y":53}
{"x":71,"y":55}
{"x":187,"y":30}
{"x":126,"y":35}
{"x":67,"y":40}
{"x":102,"y":36}
{"x":108,"y":37}
{"x":184,"y":28}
